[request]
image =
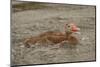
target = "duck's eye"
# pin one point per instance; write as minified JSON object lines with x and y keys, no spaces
{"x":68,"y":26}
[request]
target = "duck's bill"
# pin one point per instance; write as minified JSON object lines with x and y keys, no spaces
{"x":75,"y":29}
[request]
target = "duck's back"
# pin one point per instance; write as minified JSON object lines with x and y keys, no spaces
{"x":52,"y":33}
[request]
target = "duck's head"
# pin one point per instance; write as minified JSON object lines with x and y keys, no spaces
{"x":71,"y":28}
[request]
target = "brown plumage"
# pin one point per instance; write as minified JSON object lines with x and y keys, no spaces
{"x":55,"y":37}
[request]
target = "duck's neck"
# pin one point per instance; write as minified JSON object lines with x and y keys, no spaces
{"x":67,"y":34}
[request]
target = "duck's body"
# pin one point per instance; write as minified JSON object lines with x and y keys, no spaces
{"x":54,"y":37}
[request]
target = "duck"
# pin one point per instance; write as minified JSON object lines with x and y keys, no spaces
{"x":69,"y":35}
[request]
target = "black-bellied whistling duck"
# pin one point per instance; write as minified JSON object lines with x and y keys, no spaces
{"x":56,"y":37}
